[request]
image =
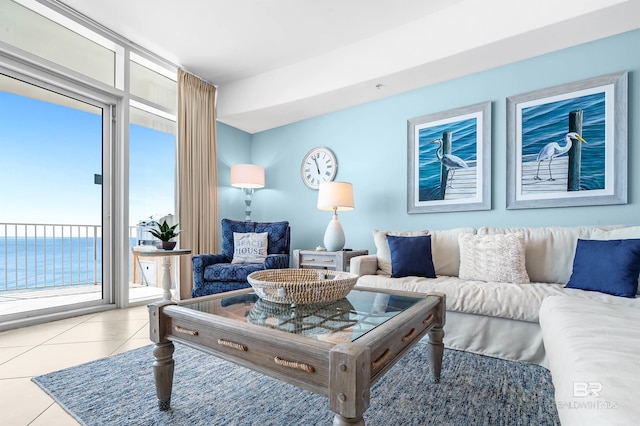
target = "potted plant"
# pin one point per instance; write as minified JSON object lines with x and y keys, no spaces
{"x":165,"y":233}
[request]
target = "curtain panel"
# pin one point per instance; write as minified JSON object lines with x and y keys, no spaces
{"x":197,"y":180}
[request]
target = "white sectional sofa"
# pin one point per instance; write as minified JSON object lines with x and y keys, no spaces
{"x":593,"y":350}
{"x":589,"y":340}
{"x":499,"y":319}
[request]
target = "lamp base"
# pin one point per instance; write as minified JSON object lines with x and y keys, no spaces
{"x":334,"y":235}
{"x":247,"y":203}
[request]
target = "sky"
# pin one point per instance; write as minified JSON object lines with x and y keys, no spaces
{"x":48,"y":157}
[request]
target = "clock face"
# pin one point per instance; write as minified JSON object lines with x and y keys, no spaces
{"x":319,"y":165}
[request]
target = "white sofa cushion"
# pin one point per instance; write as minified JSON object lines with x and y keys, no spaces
{"x":514,"y":301}
{"x":592,"y":352}
{"x":498,"y":258}
{"x":619,"y":233}
{"x":549,"y":251}
{"x":445,"y":250}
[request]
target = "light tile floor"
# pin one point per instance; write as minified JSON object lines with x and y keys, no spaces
{"x":39,"y":349}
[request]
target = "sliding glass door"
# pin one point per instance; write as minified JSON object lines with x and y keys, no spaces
{"x":54,"y":162}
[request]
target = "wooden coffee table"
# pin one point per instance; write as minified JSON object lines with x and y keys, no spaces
{"x":336,"y":349}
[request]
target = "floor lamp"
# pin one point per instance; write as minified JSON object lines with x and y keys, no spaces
{"x":336,"y":196}
{"x":247,"y":177}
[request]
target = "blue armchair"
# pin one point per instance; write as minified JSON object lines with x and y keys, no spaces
{"x":214,"y":273}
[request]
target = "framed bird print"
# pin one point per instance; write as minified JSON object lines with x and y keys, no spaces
{"x":567,"y":145}
{"x":449,"y":160}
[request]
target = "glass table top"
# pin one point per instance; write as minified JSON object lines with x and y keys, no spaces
{"x":339,"y":321}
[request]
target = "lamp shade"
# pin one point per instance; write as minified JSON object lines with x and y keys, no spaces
{"x":247,"y":176}
{"x":335,"y":196}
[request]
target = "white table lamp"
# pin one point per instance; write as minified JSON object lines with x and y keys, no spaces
{"x":248,"y":177}
{"x":336,"y":196}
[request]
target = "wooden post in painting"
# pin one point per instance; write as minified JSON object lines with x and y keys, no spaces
{"x":575,"y":153}
{"x":444,"y":172}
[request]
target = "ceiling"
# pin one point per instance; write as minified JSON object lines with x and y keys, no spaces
{"x":280,"y":61}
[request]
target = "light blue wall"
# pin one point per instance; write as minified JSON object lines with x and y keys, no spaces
{"x":370,"y":142}
{"x":233,"y":147}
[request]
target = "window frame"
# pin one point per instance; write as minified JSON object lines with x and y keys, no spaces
{"x":57,"y":77}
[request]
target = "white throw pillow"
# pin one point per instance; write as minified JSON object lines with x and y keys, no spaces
{"x":382,"y":247}
{"x":445,"y":250}
{"x":494,"y":258}
{"x":250,"y":247}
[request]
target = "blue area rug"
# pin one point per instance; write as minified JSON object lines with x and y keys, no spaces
{"x":474,"y":390}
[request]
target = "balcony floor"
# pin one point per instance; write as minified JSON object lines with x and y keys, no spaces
{"x":24,"y":301}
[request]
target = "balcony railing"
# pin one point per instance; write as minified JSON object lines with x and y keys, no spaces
{"x":38,"y":256}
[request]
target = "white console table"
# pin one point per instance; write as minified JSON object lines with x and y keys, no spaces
{"x":166,"y":265}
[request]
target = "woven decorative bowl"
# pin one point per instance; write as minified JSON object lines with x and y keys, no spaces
{"x":301,"y":286}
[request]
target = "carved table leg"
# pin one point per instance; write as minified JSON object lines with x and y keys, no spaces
{"x":338,"y":420}
{"x":163,"y":373}
{"x":436,"y":350}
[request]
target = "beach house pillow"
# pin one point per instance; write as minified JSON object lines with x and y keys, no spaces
{"x":249,"y":247}
{"x":495,"y":258}
{"x":607,"y":266}
{"x":411,"y":256}
{"x":382,"y":247}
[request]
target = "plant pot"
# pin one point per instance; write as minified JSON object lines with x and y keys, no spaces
{"x":168,"y":245}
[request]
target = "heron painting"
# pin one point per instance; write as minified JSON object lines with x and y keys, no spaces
{"x":449,"y":160}
{"x":565,"y":144}
{"x":553,"y":150}
{"x":549,"y":140}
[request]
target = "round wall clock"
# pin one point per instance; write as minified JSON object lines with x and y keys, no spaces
{"x":319,"y":165}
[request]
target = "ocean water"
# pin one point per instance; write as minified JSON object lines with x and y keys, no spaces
{"x":463,"y":145}
{"x":30,"y":263}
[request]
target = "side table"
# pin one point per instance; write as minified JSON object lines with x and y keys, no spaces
{"x":336,"y":260}
{"x":166,"y":266}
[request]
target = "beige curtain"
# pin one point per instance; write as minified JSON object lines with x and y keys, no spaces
{"x":197,"y":172}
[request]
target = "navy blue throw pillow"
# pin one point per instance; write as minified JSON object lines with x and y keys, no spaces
{"x":411,"y":256}
{"x":607,"y":266}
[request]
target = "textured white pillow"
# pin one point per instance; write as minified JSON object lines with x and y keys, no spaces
{"x":495,"y":258}
{"x":382,"y":247}
{"x":250,"y":247}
